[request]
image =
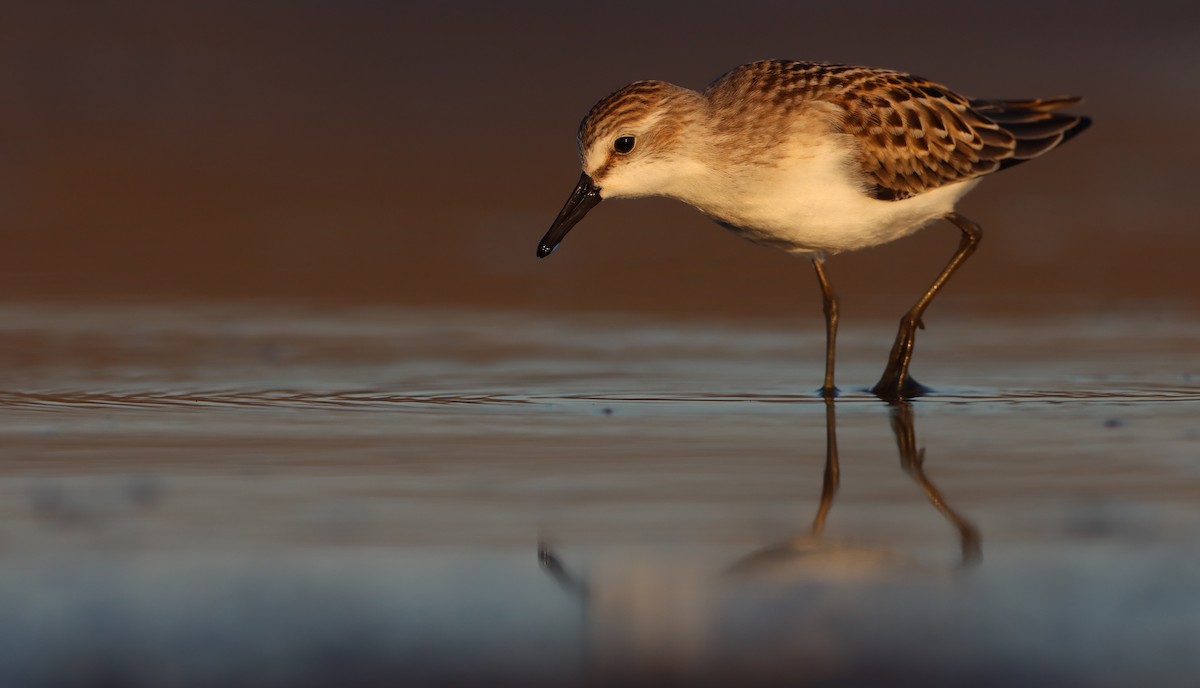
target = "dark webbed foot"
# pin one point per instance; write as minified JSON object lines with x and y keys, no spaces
{"x":898,"y":389}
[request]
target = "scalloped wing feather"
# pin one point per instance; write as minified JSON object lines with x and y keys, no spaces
{"x":914,"y":135}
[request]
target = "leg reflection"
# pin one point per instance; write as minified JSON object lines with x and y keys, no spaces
{"x":808,"y":554}
{"x":553,"y":566}
{"x":832,"y":558}
{"x":912,"y":460}
{"x":829,"y":485}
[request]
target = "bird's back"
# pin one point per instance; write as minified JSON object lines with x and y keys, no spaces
{"x":913,"y":135}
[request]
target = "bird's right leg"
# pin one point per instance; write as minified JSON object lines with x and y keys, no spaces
{"x":828,"y":390}
{"x":896,"y":384}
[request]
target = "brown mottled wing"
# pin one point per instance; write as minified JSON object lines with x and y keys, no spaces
{"x":914,"y":135}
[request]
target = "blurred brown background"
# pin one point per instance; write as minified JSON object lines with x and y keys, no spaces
{"x":370,"y":151}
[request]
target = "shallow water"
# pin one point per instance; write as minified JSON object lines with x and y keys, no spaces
{"x":203,"y":495}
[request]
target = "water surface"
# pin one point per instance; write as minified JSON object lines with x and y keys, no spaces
{"x":207,"y":495}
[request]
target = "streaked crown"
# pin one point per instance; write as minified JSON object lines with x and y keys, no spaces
{"x":626,"y":137}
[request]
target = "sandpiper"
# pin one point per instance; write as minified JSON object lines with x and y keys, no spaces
{"x":813,"y":159}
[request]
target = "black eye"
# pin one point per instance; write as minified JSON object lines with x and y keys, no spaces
{"x":623,"y":144}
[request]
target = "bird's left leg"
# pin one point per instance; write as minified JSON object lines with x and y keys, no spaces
{"x":828,"y":390}
{"x":895,"y":384}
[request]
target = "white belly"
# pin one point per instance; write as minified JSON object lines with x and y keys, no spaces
{"x":813,"y":204}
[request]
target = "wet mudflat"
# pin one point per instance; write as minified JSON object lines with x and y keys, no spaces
{"x":203,"y":495}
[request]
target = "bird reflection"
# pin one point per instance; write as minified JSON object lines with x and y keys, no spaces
{"x":653,"y":621}
{"x":812,"y":553}
{"x":808,"y":554}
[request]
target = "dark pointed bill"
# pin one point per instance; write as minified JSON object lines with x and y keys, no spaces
{"x":585,"y":196}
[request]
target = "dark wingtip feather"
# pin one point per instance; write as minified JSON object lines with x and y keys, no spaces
{"x":1080,"y":126}
{"x":1035,"y":124}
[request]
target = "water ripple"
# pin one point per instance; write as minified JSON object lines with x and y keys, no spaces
{"x":368,"y":399}
{"x":244,"y":399}
{"x":860,"y":396}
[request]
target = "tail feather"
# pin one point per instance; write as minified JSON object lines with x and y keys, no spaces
{"x":1033,"y":104}
{"x":1028,"y":149}
{"x":1054,"y":124}
{"x":1035,"y":124}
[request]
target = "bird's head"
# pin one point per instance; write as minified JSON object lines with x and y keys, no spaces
{"x":632,"y":143}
